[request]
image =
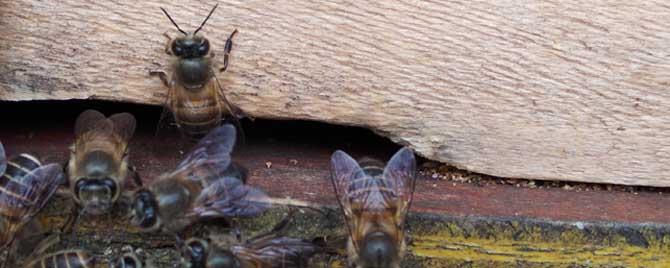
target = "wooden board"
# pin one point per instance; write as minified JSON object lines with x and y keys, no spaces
{"x":557,"y":90}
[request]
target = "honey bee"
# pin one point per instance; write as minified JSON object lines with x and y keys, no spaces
{"x":98,"y":164}
{"x":67,"y":258}
{"x":195,"y":96}
{"x":129,"y":260}
{"x":25,"y":187}
{"x":374,"y":200}
{"x":205,"y":185}
{"x":269,"y":250}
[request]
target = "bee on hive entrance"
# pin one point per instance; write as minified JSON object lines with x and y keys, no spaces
{"x":204,"y":186}
{"x":98,"y":164}
{"x":70,"y":258}
{"x":269,"y":250}
{"x":375,"y":201}
{"x":195,"y":96}
{"x":25,"y":187}
{"x":130,"y":260}
{"x":67,"y":258}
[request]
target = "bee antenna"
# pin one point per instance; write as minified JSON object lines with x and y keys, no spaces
{"x":203,"y":23}
{"x":175,"y":24}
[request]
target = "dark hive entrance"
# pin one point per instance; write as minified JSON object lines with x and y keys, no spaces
{"x":54,"y":120}
{"x":285,"y":158}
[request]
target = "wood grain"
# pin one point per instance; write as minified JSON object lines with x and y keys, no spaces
{"x":557,"y":90}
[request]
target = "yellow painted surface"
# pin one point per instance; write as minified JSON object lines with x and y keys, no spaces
{"x":459,"y":242}
{"x":534,"y":251}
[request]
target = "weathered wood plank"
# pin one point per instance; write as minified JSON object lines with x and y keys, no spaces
{"x":569,"y":90}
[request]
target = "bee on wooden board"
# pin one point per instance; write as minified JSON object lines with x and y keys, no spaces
{"x":25,"y":187}
{"x":195,"y":96}
{"x":98,"y":165}
{"x":269,"y":250}
{"x":205,"y":185}
{"x":375,"y":200}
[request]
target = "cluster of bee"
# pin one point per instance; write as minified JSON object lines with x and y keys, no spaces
{"x":207,"y":184}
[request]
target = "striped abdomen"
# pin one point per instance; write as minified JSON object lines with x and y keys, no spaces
{"x":11,"y":184}
{"x":65,"y":259}
{"x":197,"y":112}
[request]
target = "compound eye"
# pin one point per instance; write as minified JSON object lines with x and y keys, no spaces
{"x":177,"y":50}
{"x":111,"y":185}
{"x":81,"y":184}
{"x":128,"y":262}
{"x":196,"y":252}
{"x":145,"y":209}
{"x":203,"y":49}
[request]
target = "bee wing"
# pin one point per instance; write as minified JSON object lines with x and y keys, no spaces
{"x":211,"y":154}
{"x":229,"y":197}
{"x":280,"y":251}
{"x":27,"y":195}
{"x":345,"y":171}
{"x":124,"y":125}
{"x":87,"y":121}
{"x":400,"y":176}
{"x":235,"y":112}
{"x":3,"y":160}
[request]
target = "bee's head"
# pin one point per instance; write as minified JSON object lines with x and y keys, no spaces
{"x":378,"y":250}
{"x":98,"y":187}
{"x":127,"y":261}
{"x":190,"y":45}
{"x":194,"y":253}
{"x":96,"y":195}
{"x":198,"y":253}
{"x":145,"y":210}
{"x":222,"y":259}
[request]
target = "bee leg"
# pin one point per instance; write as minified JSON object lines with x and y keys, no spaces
{"x":167,"y":45}
{"x":162,"y":75}
{"x":137,"y":179}
{"x":280,"y":227}
{"x":226,"y":51}
{"x":283,"y":224}
{"x":164,"y":78}
{"x":71,"y":221}
{"x":45,"y":244}
{"x":235,"y":112}
{"x":179,"y":242}
{"x":8,"y":255}
{"x":64,"y":188}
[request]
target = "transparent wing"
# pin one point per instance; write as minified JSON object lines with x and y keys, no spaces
{"x":235,"y":113}
{"x":400,"y":176}
{"x":280,"y":252}
{"x":124,"y":125}
{"x":344,"y":171}
{"x":211,"y":156}
{"x":26,"y":196}
{"x":3,"y":160}
{"x":86,"y":121}
{"x":229,"y":197}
